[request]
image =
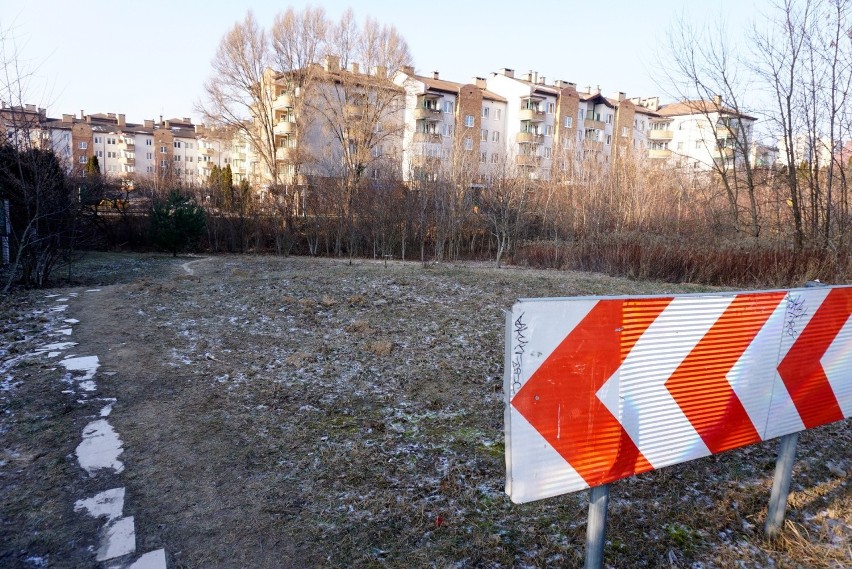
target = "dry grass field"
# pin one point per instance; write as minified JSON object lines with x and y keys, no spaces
{"x":296,"y":412}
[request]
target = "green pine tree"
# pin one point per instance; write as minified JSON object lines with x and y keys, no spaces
{"x":177,"y":223}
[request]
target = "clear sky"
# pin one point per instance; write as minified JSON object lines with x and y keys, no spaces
{"x":149,"y":58}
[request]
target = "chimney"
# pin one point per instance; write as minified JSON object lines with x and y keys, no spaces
{"x":82,"y":116}
{"x":480,"y":82}
{"x":534,"y":77}
{"x":380,"y":71}
{"x":161,"y":119}
{"x":121,"y":121}
{"x":587,"y":89}
{"x":507,"y":72}
{"x":353,"y":68}
{"x":331,"y":63}
{"x":67,"y":118}
{"x":717,"y":100}
{"x":434,"y":75}
{"x":597,"y":90}
{"x":408,"y":70}
{"x":149,"y":123}
{"x":187,"y":120}
{"x":620,"y":96}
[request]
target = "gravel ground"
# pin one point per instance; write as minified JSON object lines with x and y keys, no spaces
{"x":295,"y":412}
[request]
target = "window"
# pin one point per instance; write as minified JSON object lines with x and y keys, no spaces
{"x":483,"y":157}
{"x":485,"y":111}
{"x":468,"y":121}
{"x":112,"y":155}
{"x":448,"y":130}
{"x":495,"y":158}
{"x":548,"y":130}
{"x":609,"y":118}
{"x":550,"y":108}
{"x":468,"y":143}
{"x":82,"y":160}
{"x":177,"y":157}
{"x":164,"y":163}
{"x":698,"y":143}
{"x":84,"y":145}
{"x":148,"y":142}
{"x":497,"y":114}
{"x":149,"y":156}
{"x":97,"y":140}
{"x":177,"y":143}
{"x":448,"y":107}
{"x":149,"y":169}
{"x":376,"y":151}
{"x":495,"y":137}
{"x":110,"y":141}
{"x":582,"y":114}
{"x":100,"y":153}
{"x":609,"y":139}
{"x":483,"y":135}
{"x":624,"y":132}
{"x":548,"y":153}
{"x":162,"y":150}
{"x":568,"y":122}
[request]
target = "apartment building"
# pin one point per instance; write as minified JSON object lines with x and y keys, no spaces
{"x":333,"y":122}
{"x":696,"y":135}
{"x":450,"y":125}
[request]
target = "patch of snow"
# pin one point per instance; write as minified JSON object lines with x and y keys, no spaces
{"x":9,"y":383}
{"x":53,"y":354}
{"x":100,"y":448}
{"x":64,"y":331}
{"x":55,"y":346}
{"x":109,"y":504}
{"x":87,"y":364}
{"x":151,"y":560}
{"x":94,"y":290}
{"x":36,"y":561}
{"x":64,"y":299}
{"x":106,"y":410}
{"x":117,"y":538}
{"x":71,"y":321}
{"x":88,"y":385}
{"x":60,"y":308}
{"x":51,"y":295}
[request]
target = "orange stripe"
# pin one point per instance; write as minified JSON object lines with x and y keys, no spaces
{"x":560,"y":399}
{"x":699,"y":385}
{"x":801,"y":369}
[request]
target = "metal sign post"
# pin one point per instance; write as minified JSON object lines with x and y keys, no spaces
{"x":781,"y":485}
{"x":596,"y":526}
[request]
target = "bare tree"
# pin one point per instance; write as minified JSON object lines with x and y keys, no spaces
{"x":706,"y":70}
{"x":240,"y":92}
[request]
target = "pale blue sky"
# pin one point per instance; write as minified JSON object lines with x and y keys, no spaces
{"x":149,"y":58}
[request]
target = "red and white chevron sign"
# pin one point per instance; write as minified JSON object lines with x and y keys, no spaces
{"x":599,"y":389}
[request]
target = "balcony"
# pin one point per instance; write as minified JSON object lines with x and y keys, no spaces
{"x":130,"y":160}
{"x":723,"y":153}
{"x":420,"y":161}
{"x":285,"y":154}
{"x":284,"y":128}
{"x":130,"y":145}
{"x":659,"y":153}
{"x":283,"y":101}
{"x":427,"y":113}
{"x":529,"y":138}
{"x":531,"y":115}
{"x":597,"y":125}
{"x":655,"y":134}
{"x":207,"y":151}
{"x":527,"y":160}
{"x":428,"y":137}
{"x":727,"y":132}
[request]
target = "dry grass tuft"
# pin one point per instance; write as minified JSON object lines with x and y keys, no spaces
{"x":360,"y":327}
{"x":357,"y":300}
{"x":380,"y":347}
{"x":299,"y":358}
{"x":327,"y":301}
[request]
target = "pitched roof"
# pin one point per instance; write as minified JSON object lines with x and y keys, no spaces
{"x":697,"y":107}
{"x":453,"y":87}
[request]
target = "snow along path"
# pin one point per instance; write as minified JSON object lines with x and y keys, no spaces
{"x":97,"y":452}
